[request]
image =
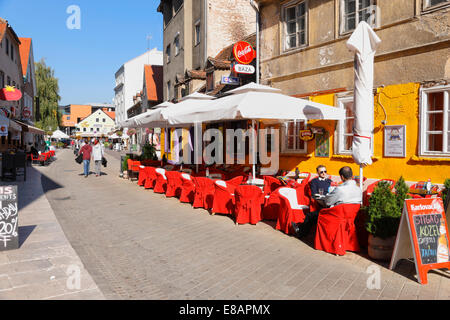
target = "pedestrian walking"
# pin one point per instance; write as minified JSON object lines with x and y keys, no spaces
{"x":97,"y":155}
{"x":86,"y":151}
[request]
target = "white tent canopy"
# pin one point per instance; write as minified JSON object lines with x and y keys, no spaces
{"x":255,"y":102}
{"x":58,"y":134}
{"x":159,"y":117}
{"x":136,"y":122}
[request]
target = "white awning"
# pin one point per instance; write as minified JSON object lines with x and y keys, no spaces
{"x":255,"y":102}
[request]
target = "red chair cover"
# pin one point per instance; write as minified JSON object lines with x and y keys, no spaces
{"x":313,"y":205}
{"x":223,"y":198}
{"x":336,"y":231}
{"x":204,"y":192}
{"x":289,"y":212}
{"x":150,"y":179}
{"x":236,"y":181}
{"x":187,"y":189}
{"x":271,"y":207}
{"x":249,"y":200}
{"x":142,"y":176}
{"x":271,"y":184}
{"x":161,"y":182}
{"x":174,"y":183}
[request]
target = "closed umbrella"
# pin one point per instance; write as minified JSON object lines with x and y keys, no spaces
{"x":363,"y":42}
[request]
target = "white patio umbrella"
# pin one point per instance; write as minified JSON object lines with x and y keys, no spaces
{"x":137,"y":121}
{"x":256,"y":102}
{"x":363,"y":42}
{"x":58,"y":134}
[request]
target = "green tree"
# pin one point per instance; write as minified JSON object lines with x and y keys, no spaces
{"x":48,"y":93}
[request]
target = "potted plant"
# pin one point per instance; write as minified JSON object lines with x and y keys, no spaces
{"x":148,"y":152}
{"x":125,"y":167}
{"x":384,"y":213}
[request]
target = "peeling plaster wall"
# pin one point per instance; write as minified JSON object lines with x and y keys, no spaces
{"x":413,"y":49}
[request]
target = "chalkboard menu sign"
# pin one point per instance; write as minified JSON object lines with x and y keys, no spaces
{"x":428,"y":229}
{"x":423,"y":234}
{"x":9,"y":220}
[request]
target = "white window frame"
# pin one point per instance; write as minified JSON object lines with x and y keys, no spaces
{"x":426,"y":5}
{"x":374,"y":21}
{"x":284,"y":9}
{"x":340,"y":128}
{"x":284,"y":138}
{"x":423,"y":121}
{"x":197,"y":36}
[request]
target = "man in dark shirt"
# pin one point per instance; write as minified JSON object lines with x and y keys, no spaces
{"x":322,"y":183}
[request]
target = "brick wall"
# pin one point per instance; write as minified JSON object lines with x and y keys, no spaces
{"x":228,"y":22}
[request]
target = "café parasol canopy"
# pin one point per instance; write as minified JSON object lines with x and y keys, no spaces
{"x":58,"y":134}
{"x":140,"y":118}
{"x":159,"y":117}
{"x":256,"y":102}
{"x":363,"y":42}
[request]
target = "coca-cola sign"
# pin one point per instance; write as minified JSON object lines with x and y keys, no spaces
{"x":243,"y":52}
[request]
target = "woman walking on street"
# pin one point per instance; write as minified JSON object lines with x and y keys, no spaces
{"x":86,"y":151}
{"x":97,"y":154}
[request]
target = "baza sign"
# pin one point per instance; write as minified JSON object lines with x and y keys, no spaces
{"x":230,"y":80}
{"x":244,"y":68}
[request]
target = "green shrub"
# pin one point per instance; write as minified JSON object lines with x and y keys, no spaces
{"x":148,"y":152}
{"x":385,"y":209}
{"x":125,"y":163}
{"x":445,"y":191}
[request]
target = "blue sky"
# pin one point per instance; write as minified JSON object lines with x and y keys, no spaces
{"x":85,"y":60}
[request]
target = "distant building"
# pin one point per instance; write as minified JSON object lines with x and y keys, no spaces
{"x":29,"y":78}
{"x":10,"y":75}
{"x":129,"y":81}
{"x":98,"y":124}
{"x":73,"y":114}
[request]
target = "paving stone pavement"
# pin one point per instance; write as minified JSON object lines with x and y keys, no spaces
{"x":139,"y":245}
{"x":43,"y":266}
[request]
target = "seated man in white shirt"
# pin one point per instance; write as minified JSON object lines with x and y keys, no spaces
{"x":347,"y":192}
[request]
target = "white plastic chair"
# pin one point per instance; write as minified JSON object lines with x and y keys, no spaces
{"x":162,"y":172}
{"x":291,"y":195}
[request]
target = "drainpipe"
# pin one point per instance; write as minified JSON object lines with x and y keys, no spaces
{"x":205,"y":37}
{"x":255,"y":6}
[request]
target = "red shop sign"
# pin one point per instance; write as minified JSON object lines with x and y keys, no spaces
{"x":243,"y":52}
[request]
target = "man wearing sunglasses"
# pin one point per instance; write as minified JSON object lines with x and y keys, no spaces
{"x":319,"y":186}
{"x":322,"y":183}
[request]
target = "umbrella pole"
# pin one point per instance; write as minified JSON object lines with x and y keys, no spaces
{"x":361,"y":177}
{"x":254,"y":148}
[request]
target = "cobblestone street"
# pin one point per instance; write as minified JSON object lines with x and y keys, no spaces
{"x":138,"y":245}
